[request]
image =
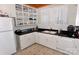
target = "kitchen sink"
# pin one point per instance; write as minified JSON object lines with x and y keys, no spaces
{"x":50,"y":32}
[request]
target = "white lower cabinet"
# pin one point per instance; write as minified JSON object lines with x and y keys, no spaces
{"x":36,"y":37}
{"x":26,"y":40}
{"x":51,"y":41}
{"x":66,"y":44}
{"x":63,"y":44}
{"x":47,"y":40}
{"x":76,"y":43}
{"x":42,"y":39}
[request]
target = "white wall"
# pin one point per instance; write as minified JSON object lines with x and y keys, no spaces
{"x":5,"y":8}
{"x":72,"y":12}
{"x":8,"y":8}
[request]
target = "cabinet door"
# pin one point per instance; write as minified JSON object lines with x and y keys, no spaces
{"x":63,"y":17}
{"x":43,"y":39}
{"x":54,"y":18}
{"x":26,"y":40}
{"x":7,"y":43}
{"x":44,"y":18}
{"x":58,"y":17}
{"x":66,"y":44}
{"x":76,"y":43}
{"x":51,"y":41}
{"x":36,"y":39}
{"x":32,"y":38}
{"x":47,"y":40}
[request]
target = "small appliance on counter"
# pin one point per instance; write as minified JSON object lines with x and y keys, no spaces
{"x":73,"y":31}
{"x":70,"y":30}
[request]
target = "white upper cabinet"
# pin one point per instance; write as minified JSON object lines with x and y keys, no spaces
{"x":62,"y":17}
{"x":25,"y":15}
{"x":54,"y":18}
{"x":44,"y":18}
{"x":67,"y":16}
{"x":51,"y":17}
{"x":57,"y":17}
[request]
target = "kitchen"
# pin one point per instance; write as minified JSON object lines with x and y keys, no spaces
{"x":54,"y":26}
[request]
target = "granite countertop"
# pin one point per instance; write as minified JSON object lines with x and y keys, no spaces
{"x":51,"y":32}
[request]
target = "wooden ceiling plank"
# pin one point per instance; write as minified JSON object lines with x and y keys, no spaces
{"x":37,"y":5}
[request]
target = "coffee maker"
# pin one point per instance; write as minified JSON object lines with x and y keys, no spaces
{"x":70,"y":30}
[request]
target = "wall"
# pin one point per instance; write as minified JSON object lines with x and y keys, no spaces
{"x":72,"y":12}
{"x":5,"y":8}
{"x":8,"y":8}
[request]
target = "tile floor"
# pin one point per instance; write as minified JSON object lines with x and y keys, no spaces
{"x":37,"y":49}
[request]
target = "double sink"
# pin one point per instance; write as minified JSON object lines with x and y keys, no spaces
{"x":49,"y":32}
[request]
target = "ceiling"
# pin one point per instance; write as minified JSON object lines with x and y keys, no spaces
{"x":37,"y":5}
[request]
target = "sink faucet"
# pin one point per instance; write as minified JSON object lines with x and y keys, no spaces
{"x":59,"y":30}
